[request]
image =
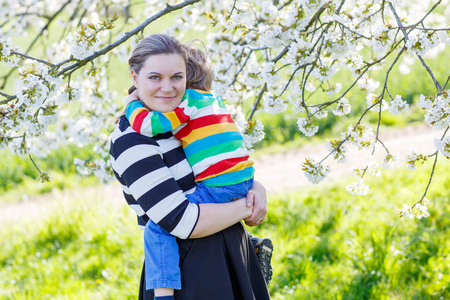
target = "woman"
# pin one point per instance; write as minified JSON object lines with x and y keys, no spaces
{"x":217,"y":260}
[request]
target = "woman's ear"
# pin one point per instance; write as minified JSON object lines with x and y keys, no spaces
{"x":134,"y":76}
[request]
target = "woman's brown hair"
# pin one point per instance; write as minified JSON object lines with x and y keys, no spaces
{"x":155,"y":44}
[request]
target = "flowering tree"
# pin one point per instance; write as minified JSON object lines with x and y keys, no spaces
{"x":268,"y":55}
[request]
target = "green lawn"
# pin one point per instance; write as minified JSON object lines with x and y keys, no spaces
{"x":328,"y":245}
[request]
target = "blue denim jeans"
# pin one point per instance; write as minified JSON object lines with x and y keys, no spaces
{"x":161,"y":249}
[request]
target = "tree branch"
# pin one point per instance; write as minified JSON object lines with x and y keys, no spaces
{"x":402,"y":28}
{"x":168,"y":9}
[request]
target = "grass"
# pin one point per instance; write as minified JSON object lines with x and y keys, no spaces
{"x":82,"y":251}
{"x":328,"y":245}
{"x":18,"y":179}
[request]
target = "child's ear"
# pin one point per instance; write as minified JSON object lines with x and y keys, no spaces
{"x":134,"y":76}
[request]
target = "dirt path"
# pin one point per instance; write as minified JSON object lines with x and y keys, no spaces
{"x":279,"y":172}
{"x":282,"y":172}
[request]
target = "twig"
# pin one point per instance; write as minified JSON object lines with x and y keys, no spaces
{"x":241,"y":68}
{"x":445,"y":85}
{"x":432,"y":172}
{"x":402,"y":28}
{"x":258,"y":99}
{"x":32,"y":160}
{"x":5,"y":95}
{"x":33,"y":58}
{"x":385,"y":88}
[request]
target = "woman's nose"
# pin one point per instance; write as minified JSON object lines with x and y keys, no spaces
{"x":166,"y":86}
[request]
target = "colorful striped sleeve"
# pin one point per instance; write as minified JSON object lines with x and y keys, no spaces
{"x":151,"y":123}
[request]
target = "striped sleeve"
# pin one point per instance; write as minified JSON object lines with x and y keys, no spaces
{"x":151,"y":123}
{"x":149,"y":185}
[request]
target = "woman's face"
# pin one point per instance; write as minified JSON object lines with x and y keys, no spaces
{"x":161,"y":82}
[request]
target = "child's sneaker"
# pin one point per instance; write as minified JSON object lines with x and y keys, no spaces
{"x":263,"y":249}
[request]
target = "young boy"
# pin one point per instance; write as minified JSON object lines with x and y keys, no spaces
{"x":213,"y":146}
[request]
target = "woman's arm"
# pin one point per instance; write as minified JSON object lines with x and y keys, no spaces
{"x":215,"y":217}
{"x":152,"y":191}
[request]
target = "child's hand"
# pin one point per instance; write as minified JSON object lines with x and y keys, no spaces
{"x":131,"y":97}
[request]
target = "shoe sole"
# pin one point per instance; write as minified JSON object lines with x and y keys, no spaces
{"x":264,"y":251}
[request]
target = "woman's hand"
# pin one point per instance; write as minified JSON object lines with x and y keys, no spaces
{"x":256,"y":197}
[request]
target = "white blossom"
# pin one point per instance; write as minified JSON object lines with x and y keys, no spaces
{"x":371,"y":99}
{"x":421,"y":211}
{"x":358,"y":188}
{"x":307,"y":127}
{"x":389,"y":161}
{"x":252,"y":76}
{"x":405,"y":211}
{"x":318,"y":112}
{"x":335,"y":89}
{"x":374,"y":165}
{"x":397,"y":106}
{"x":443,"y":146}
{"x":314,"y":171}
{"x":342,"y":107}
{"x":420,"y":42}
{"x":360,"y":136}
{"x":19,"y":147}
{"x":340,"y":154}
{"x":269,"y":75}
{"x":273,"y":104}
{"x":411,"y":161}
{"x":80,"y":49}
{"x":270,"y":36}
{"x":252,"y":133}
{"x":437,"y":110}
{"x":383,"y":39}
{"x":323,"y":73}
{"x":368,"y":84}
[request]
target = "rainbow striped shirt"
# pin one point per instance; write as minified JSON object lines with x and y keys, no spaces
{"x":211,"y":140}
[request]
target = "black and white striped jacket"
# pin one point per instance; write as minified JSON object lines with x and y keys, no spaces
{"x":154,"y":173}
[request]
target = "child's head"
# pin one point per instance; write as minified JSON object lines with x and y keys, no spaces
{"x":199,"y":70}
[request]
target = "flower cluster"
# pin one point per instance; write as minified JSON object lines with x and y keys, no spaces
{"x":374,"y":100}
{"x":80,"y":48}
{"x":412,"y":158}
{"x":383,"y":38}
{"x":342,"y":107}
{"x":85,"y":42}
{"x":437,"y":110}
{"x":252,"y":132}
{"x":307,"y":127}
{"x":358,"y":188}
{"x":397,"y":106}
{"x":419,"y":211}
{"x":361,"y":136}
{"x":6,"y":52}
{"x":443,"y":146}
{"x":314,"y":171}
{"x":420,"y":42}
{"x":273,"y":104}
{"x":389,"y":161}
{"x":340,"y":151}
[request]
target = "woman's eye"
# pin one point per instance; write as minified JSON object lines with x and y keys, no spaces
{"x":154,"y":77}
{"x":177,"y":77}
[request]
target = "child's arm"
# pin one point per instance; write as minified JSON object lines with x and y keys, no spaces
{"x":151,"y":123}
